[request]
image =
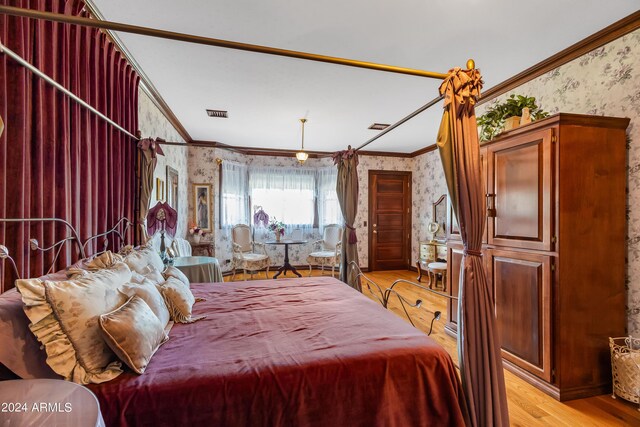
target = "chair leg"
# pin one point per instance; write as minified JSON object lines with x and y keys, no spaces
{"x":233,"y":274}
{"x":310,"y":270}
{"x":244,"y":274}
{"x":333,"y":271}
{"x":266,"y":272}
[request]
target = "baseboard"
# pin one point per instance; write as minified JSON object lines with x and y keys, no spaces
{"x":561,"y":394}
{"x":538,"y":383}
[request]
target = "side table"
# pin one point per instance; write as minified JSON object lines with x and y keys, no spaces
{"x":202,"y":247}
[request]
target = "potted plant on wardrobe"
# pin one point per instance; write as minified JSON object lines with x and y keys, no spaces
{"x":507,"y":115}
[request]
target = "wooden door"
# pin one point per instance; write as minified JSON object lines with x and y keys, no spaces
{"x":389,"y":220}
{"x":520,"y":188}
{"x":453,"y":230}
{"x":522,"y":293}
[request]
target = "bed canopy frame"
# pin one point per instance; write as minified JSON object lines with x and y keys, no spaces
{"x":190,"y":38}
{"x":482,"y":373}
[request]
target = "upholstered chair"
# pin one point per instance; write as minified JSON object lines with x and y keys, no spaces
{"x":181,"y":247}
{"x":245,"y":255}
{"x":328,"y":249}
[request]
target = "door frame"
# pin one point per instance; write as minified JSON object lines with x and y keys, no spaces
{"x":408,"y":219}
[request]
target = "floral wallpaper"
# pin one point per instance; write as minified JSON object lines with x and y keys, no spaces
{"x":153,"y":124}
{"x":428,"y":186}
{"x":204,"y":169}
{"x":605,"y":81}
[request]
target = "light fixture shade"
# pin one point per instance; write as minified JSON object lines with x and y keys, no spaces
{"x":302,"y":156}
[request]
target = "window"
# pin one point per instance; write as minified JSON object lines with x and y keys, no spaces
{"x":284,"y":193}
{"x":234,"y":192}
{"x":328,"y":206}
{"x":299,"y":197}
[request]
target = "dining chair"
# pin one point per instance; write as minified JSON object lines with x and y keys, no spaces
{"x":245,"y":255}
{"x":329,"y":249}
{"x":181,"y":247}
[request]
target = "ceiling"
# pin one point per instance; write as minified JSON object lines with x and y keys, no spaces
{"x":266,"y":95}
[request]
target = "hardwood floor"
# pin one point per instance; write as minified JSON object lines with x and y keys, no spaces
{"x":528,"y":406}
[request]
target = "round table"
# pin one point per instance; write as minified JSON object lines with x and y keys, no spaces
{"x":199,"y":269}
{"x":48,"y":402}
{"x":286,"y":267}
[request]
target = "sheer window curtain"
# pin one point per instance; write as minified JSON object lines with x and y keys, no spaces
{"x":328,"y":205}
{"x":234,"y":195}
{"x":286,"y":194}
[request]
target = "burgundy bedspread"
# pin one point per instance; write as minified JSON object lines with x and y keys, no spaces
{"x":292,"y":352}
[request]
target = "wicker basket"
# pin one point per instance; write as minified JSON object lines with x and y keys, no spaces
{"x":625,"y":367}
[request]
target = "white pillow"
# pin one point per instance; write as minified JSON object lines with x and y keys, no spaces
{"x":139,"y":259}
{"x":152,"y":274}
{"x":65,"y":319}
{"x":179,"y":300}
{"x":151,"y":295}
{"x":175,"y":272}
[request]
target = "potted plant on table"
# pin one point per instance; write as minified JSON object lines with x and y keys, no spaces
{"x":196,"y":234}
{"x":507,"y":115}
{"x":277,"y":227}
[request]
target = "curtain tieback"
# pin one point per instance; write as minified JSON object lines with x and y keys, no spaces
{"x":472,"y":252}
{"x":353,"y":239}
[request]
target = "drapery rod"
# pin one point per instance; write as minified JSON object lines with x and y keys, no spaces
{"x":190,"y":38}
{"x":471,"y":64}
{"x":4,"y":49}
{"x":401,"y":121}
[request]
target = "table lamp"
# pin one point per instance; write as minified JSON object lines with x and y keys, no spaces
{"x":164,"y":218}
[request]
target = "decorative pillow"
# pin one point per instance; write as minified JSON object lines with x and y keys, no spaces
{"x":151,"y":295}
{"x":104,"y":260}
{"x":133,"y":332}
{"x":151,"y":273}
{"x":175,"y":272}
{"x":20,"y":350}
{"x":65,"y":318}
{"x":179,"y":300}
{"x":140,"y":258}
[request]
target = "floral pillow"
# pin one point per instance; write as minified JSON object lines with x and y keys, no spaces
{"x":133,"y":332}
{"x":139,"y":259}
{"x":179,"y":300}
{"x":65,"y":316}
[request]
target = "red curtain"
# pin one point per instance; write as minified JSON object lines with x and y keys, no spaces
{"x":57,"y":159}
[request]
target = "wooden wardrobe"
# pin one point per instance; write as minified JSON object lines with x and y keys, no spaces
{"x":554,"y":250}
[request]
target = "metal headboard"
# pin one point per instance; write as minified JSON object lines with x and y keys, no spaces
{"x":384,"y":296}
{"x":118,"y":231}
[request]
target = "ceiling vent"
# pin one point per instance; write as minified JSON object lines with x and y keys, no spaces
{"x":379,"y":126}
{"x":222,"y":114}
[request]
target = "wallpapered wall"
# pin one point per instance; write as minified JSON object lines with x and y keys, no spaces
{"x":605,"y":81}
{"x":153,"y":124}
{"x":204,"y":169}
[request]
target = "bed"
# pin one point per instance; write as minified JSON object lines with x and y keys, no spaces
{"x":307,"y":352}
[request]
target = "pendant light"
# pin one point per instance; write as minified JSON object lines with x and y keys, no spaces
{"x":301,"y":155}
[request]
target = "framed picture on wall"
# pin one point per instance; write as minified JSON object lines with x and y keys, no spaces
{"x":172,"y":187}
{"x":159,"y":189}
{"x":203,"y":202}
